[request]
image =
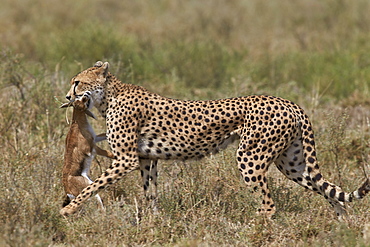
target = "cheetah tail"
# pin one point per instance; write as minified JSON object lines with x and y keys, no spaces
{"x":361,"y":192}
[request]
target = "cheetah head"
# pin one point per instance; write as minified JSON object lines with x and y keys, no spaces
{"x":90,"y":81}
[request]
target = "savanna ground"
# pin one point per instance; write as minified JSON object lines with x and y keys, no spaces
{"x":315,"y":53}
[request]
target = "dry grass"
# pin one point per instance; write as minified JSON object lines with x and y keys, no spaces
{"x":312,"y":52}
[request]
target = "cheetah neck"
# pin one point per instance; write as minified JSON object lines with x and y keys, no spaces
{"x":113,"y":88}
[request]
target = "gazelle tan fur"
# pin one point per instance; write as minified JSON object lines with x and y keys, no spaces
{"x":80,"y":151}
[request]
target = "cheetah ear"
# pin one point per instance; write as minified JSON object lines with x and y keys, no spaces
{"x":103,"y":68}
{"x":98,"y":64}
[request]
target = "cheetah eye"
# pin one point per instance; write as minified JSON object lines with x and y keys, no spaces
{"x":76,"y":83}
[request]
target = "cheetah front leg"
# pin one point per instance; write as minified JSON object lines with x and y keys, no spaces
{"x":149,"y":174}
{"x":119,"y":168}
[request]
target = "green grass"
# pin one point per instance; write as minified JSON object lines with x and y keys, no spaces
{"x":315,"y":53}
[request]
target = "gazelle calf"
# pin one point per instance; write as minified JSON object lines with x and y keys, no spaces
{"x":80,"y":151}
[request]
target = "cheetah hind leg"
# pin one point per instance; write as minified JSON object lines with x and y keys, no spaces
{"x":253,"y":172}
{"x":149,"y":174}
{"x":293,"y":165}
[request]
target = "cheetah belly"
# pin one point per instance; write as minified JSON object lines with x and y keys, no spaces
{"x":193,"y":148}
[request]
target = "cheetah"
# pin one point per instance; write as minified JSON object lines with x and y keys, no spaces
{"x":144,"y":127}
{"x":80,"y":151}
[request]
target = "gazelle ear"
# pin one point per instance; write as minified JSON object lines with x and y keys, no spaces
{"x":65,"y":105}
{"x":90,"y":114}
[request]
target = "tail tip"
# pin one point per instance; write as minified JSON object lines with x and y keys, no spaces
{"x":364,"y":189}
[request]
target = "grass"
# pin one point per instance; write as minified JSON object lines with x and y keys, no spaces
{"x":314,"y":53}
